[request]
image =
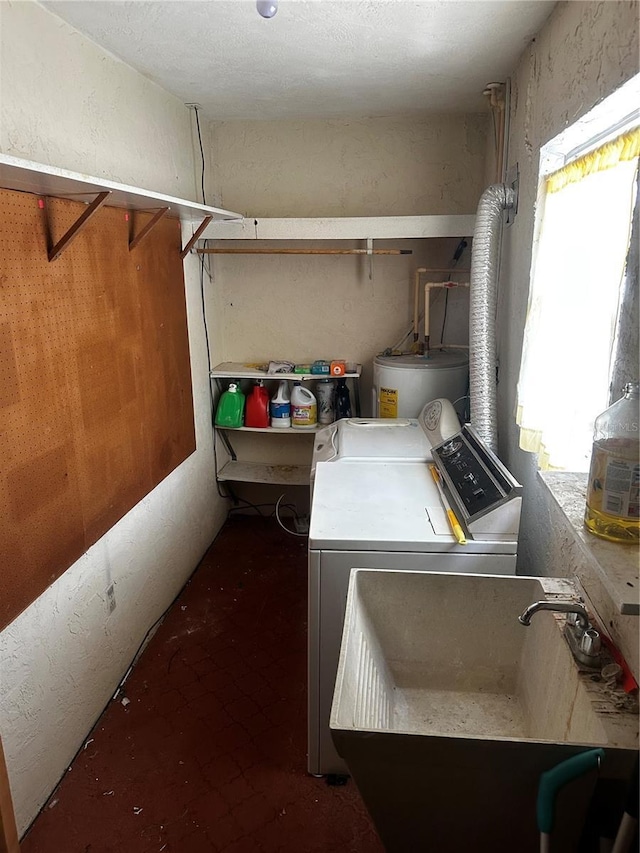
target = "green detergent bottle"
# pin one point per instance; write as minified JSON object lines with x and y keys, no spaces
{"x":230,"y":409}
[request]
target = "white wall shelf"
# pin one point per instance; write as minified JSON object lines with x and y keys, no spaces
{"x":343,"y":228}
{"x":235,"y":370}
{"x":276,"y":431}
{"x":41,"y":179}
{"x":259,"y":472}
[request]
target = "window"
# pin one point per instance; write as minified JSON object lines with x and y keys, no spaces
{"x":584,"y":220}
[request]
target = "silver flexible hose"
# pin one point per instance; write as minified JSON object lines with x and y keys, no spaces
{"x":482,"y":310}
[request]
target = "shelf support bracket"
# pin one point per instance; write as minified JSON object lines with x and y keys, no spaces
{"x":195,"y":236}
{"x":147,"y":228}
{"x":77,"y":226}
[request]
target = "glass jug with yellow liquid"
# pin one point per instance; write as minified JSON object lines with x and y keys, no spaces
{"x":613,"y":501}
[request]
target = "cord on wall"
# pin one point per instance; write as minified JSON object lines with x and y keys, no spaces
{"x":196,"y":108}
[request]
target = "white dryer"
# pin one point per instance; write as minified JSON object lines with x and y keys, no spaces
{"x":375,"y":505}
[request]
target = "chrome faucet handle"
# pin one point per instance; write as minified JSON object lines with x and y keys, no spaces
{"x":575,"y":620}
{"x":591,"y":644}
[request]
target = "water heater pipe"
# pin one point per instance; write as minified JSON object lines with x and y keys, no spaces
{"x":416,"y":296}
{"x":416,"y":300}
{"x":496,"y":92}
{"x":482,"y":310}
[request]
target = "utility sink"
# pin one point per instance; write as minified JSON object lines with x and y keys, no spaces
{"x":447,"y":709}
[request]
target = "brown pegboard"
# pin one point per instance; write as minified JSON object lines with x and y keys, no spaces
{"x":95,"y":383}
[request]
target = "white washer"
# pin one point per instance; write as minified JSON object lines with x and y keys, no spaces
{"x":371,"y":509}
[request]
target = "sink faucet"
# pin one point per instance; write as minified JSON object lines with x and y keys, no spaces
{"x":584,"y":641}
{"x":581,"y":615}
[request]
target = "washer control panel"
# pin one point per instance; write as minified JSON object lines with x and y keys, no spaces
{"x":476,"y":478}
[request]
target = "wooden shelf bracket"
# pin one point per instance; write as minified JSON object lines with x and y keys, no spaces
{"x":55,"y":251}
{"x":147,"y":228}
{"x":196,"y":234}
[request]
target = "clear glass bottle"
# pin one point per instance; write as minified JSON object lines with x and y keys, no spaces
{"x":613,"y":502}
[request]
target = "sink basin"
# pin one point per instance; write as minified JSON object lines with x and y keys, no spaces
{"x":447,"y":709}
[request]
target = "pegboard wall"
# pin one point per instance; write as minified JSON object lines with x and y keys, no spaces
{"x":95,"y":383}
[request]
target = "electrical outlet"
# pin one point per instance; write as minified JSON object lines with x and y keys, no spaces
{"x":111,"y":598}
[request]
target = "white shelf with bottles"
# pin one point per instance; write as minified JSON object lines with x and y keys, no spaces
{"x":235,"y":470}
{"x":235,"y":370}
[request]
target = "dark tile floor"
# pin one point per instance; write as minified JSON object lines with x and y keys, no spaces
{"x":208,"y":754}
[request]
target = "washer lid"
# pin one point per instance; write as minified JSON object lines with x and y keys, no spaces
{"x":435,"y":359}
{"x":384,"y":505}
{"x":379,"y":438}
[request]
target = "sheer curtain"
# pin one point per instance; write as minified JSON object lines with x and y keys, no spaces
{"x":579,"y":263}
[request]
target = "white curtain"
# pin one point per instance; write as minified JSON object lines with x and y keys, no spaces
{"x":579,"y":263}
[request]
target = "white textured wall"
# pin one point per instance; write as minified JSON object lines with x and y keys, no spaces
{"x":583,"y":53}
{"x":306,"y":307}
{"x":65,"y":102}
{"x":395,"y":166}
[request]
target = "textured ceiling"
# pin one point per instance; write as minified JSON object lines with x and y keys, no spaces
{"x":315,"y":58}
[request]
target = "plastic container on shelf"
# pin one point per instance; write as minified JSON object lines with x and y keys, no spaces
{"x":230,"y":410}
{"x":280,"y":407}
{"x":304,"y":408}
{"x":257,"y":407}
{"x":613,"y":501}
{"x":342,"y":400}
{"x":325,"y":392}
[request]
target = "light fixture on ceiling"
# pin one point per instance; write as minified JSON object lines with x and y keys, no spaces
{"x":267,"y":8}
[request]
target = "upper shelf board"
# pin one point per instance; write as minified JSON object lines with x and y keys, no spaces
{"x":41,"y":179}
{"x":343,"y":228}
{"x":234,"y":370}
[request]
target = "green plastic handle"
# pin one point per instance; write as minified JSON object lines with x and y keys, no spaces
{"x":552,"y":780}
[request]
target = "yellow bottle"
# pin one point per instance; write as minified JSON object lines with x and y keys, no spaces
{"x":613,"y":501}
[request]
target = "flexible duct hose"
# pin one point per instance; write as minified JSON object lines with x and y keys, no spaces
{"x":482,"y":310}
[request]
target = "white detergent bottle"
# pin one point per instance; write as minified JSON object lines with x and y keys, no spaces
{"x":280,"y":407}
{"x":304,"y":409}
